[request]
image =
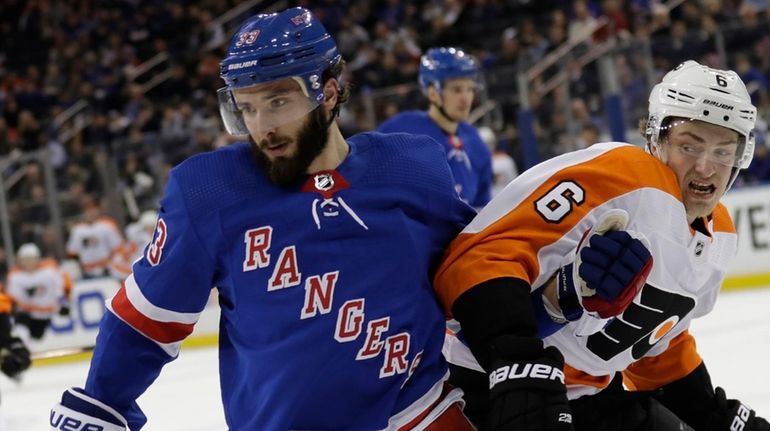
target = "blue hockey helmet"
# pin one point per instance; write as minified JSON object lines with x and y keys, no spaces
{"x":439,"y":64}
{"x":271,"y":47}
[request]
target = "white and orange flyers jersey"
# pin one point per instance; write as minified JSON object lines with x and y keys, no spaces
{"x":38,"y":292}
{"x":130,"y":250}
{"x":94,"y":243}
{"x":532,"y":228}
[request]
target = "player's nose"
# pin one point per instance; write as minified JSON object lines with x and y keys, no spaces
{"x":705,"y":166}
{"x":265,"y":132}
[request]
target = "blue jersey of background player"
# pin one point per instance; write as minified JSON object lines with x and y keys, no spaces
{"x":448,"y":79}
{"x":322,"y":251}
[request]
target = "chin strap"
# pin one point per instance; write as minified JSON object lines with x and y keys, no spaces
{"x":445,"y":114}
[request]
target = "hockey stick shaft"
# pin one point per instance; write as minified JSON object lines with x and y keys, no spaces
{"x":59,"y":353}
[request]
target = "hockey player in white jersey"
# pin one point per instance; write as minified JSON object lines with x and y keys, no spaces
{"x":39,"y":289}
{"x":138,"y":236}
{"x":601,"y":258}
{"x":93,"y":241}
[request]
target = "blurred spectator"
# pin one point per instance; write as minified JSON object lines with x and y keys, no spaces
{"x":136,"y":184}
{"x":582,"y":23}
{"x":759,"y":170}
{"x":509,"y":48}
{"x":71,"y":81}
{"x":589,"y":135}
{"x":350,"y":37}
{"x":619,"y":22}
{"x":3,"y":269}
{"x":532,"y":42}
{"x":757,"y":84}
{"x":5,"y":145}
{"x":679,"y":44}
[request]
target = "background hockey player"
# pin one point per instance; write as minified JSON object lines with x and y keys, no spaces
{"x":448,"y":78}
{"x":138,"y":236}
{"x":14,"y":356}
{"x":39,"y":289}
{"x":633,"y":245}
{"x":94,"y":240}
{"x":322,"y":251}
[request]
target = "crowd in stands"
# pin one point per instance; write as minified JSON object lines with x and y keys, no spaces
{"x":132,"y":125}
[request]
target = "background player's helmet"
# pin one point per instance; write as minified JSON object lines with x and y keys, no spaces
{"x":148,"y":219}
{"x":697,"y":92}
{"x":439,"y":64}
{"x":28,"y":251}
{"x":271,"y":47}
{"x":28,"y":256}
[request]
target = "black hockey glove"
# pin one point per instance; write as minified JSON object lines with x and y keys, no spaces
{"x":733,"y":415}
{"x":694,"y":399}
{"x":64,"y":309}
{"x":14,"y":357}
{"x":528,"y":393}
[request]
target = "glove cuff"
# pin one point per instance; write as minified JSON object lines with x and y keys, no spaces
{"x":80,"y":410}
{"x":527,"y":375}
{"x":569,"y":300}
{"x":542,"y":371}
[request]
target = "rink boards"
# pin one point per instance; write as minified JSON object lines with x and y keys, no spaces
{"x":88,"y":300}
{"x":750,"y":208}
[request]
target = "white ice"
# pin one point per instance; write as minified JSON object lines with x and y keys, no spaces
{"x":734,"y":341}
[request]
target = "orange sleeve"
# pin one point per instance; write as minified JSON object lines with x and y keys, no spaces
{"x":505,"y":240}
{"x":67,"y":284}
{"x":5,"y":303}
{"x":680,"y":359}
{"x":573,"y":376}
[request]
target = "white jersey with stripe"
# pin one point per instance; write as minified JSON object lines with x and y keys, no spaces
{"x":532,"y":228}
{"x":37,"y":292}
{"x":94,"y":243}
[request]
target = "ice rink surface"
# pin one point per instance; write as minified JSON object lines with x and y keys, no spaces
{"x":734,"y":340}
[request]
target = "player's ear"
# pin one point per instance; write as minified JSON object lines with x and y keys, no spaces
{"x":331,"y":91}
{"x":434,"y":96}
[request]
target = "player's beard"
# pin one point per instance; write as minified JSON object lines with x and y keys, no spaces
{"x":311,"y":140}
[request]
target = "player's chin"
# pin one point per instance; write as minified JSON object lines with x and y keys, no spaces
{"x":700,"y":207}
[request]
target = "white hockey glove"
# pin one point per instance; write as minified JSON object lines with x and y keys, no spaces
{"x":78,"y":411}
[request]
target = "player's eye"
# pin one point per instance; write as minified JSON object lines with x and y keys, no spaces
{"x":278,"y":102}
{"x":724,"y":155}
{"x":246,"y":109}
{"x":689,"y":149}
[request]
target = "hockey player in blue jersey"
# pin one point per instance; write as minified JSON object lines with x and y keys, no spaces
{"x":448,"y":79}
{"x":322,"y":251}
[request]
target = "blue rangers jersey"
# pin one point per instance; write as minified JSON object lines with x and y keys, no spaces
{"x":328,"y":316}
{"x":469,"y":158}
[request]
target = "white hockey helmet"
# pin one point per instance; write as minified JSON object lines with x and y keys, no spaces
{"x":28,"y":251}
{"x":148,"y":218}
{"x":697,"y":92}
